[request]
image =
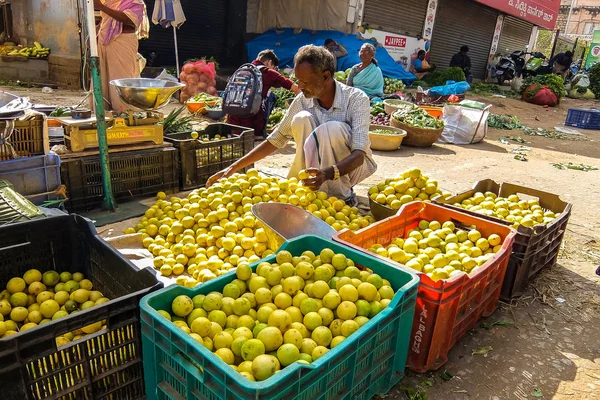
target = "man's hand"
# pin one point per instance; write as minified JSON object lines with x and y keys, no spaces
{"x":97,"y":5}
{"x":226,"y":173}
{"x":316,"y":178}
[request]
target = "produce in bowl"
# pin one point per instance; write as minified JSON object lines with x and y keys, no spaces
{"x":385,"y":138}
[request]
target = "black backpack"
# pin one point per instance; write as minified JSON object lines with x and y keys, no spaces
{"x":243,"y":95}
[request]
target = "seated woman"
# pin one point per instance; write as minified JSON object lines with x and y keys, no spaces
{"x":420,"y":67}
{"x":367,"y":76}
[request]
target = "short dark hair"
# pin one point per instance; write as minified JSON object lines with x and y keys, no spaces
{"x":569,"y":53}
{"x":420,"y":52}
{"x":329,"y":41}
{"x":268,"y":55}
{"x":464,"y":49}
{"x":319,"y":58}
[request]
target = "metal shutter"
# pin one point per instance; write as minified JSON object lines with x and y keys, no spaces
{"x":463,"y":22}
{"x":405,"y":17}
{"x":515,"y":35}
{"x":204,"y":33}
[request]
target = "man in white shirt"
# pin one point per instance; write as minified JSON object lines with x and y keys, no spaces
{"x":329,"y":122}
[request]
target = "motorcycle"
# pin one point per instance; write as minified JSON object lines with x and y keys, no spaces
{"x":510,"y":66}
{"x":537,"y":65}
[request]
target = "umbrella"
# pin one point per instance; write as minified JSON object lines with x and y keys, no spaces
{"x":169,"y":13}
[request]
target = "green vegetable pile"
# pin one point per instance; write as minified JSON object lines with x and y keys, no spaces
{"x":377,"y":108}
{"x":554,"y":82}
{"x":417,"y":118}
{"x":437,"y":78}
{"x":384,"y":132}
{"x":282,"y":95}
{"x":61,"y":112}
{"x":577,"y":167}
{"x":204,"y":98}
{"x":275,"y":117}
{"x":342,"y":76}
{"x":392,"y":85}
{"x":504,"y":122}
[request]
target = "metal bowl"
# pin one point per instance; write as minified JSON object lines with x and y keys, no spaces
{"x":144,"y":93}
{"x":285,"y":221}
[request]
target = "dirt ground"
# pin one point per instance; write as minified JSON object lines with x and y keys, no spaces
{"x":545,"y":345}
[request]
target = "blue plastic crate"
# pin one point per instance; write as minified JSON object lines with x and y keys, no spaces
{"x":583,"y":118}
{"x":33,"y":176}
{"x":369,"y":362}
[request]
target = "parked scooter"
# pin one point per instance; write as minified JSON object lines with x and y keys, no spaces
{"x":538,"y":64}
{"x":510,"y":66}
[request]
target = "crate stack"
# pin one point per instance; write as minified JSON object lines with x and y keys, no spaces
{"x":25,"y":158}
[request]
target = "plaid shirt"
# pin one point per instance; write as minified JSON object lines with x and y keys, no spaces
{"x":350,"y":106}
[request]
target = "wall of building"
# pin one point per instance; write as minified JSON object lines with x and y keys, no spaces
{"x":585,"y":15}
{"x":54,"y":23}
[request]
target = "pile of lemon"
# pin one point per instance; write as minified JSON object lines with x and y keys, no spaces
{"x":294,"y":310}
{"x":213,"y":229}
{"x":441,"y":250}
{"x":37,"y":298}
{"x":410,"y":185}
{"x":512,"y":209}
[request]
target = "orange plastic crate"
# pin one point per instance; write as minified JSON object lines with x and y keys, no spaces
{"x":449,"y":308}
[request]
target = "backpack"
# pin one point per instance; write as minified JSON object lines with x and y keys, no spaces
{"x":243,"y":95}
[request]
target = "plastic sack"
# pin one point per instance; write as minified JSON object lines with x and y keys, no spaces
{"x":581,"y":80}
{"x":199,"y":77}
{"x":543,"y":97}
{"x":464,"y":125}
{"x":449,"y":88}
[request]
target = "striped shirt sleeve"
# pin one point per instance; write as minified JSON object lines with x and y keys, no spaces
{"x":283,"y":132}
{"x":359,"y":110}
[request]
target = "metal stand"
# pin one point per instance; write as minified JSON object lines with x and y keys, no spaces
{"x":109,"y":200}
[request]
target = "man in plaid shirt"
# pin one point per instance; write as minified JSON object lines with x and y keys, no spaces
{"x":329,"y":122}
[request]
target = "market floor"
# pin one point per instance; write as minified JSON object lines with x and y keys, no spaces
{"x":545,"y":345}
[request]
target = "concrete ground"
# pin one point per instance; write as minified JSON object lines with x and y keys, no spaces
{"x":546,"y":344}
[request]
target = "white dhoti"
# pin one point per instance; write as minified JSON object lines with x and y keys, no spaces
{"x":323,"y":146}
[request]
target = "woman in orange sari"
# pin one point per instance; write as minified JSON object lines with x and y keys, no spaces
{"x":124,"y":22}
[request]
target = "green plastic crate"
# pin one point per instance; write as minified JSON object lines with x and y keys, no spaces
{"x":369,"y":362}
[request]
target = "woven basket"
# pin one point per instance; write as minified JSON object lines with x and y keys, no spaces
{"x":417,"y":137}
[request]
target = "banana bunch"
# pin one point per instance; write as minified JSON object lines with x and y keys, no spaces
{"x":37,"y":51}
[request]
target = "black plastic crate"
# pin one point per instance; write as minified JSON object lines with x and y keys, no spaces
{"x":199,"y":160}
{"x":104,"y":365}
{"x":535,"y":248}
{"x":583,"y":118}
{"x":133,"y":174}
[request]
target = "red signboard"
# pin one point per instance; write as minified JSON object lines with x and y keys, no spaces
{"x":395,"y":41}
{"x":539,"y":12}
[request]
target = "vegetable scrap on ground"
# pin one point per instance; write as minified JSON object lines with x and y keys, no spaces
{"x":510,"y":122}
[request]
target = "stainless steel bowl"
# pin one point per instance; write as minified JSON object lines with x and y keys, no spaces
{"x":285,"y":221}
{"x":144,"y":93}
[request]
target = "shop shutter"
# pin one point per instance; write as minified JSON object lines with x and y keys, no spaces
{"x":515,"y":35}
{"x":405,"y":17}
{"x":463,"y":22}
{"x":204,"y":33}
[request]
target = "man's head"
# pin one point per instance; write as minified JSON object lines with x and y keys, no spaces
{"x":268,"y":58}
{"x":464,"y":49}
{"x":330,"y":44}
{"x":568,"y":53}
{"x":421,"y":55}
{"x":314,"y":67}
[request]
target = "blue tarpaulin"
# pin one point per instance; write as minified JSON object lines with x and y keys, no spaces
{"x":286,"y":45}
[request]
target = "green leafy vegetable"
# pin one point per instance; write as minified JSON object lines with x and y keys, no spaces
{"x":577,"y":167}
{"x":282,"y":95}
{"x":275,"y":117}
{"x":173,"y":125}
{"x":594,"y":75}
{"x":505,"y":122}
{"x":453,"y":74}
{"x":554,"y":82}
{"x":417,"y":117}
{"x":384,"y":132}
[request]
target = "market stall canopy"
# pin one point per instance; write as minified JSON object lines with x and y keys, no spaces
{"x":286,"y":44}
